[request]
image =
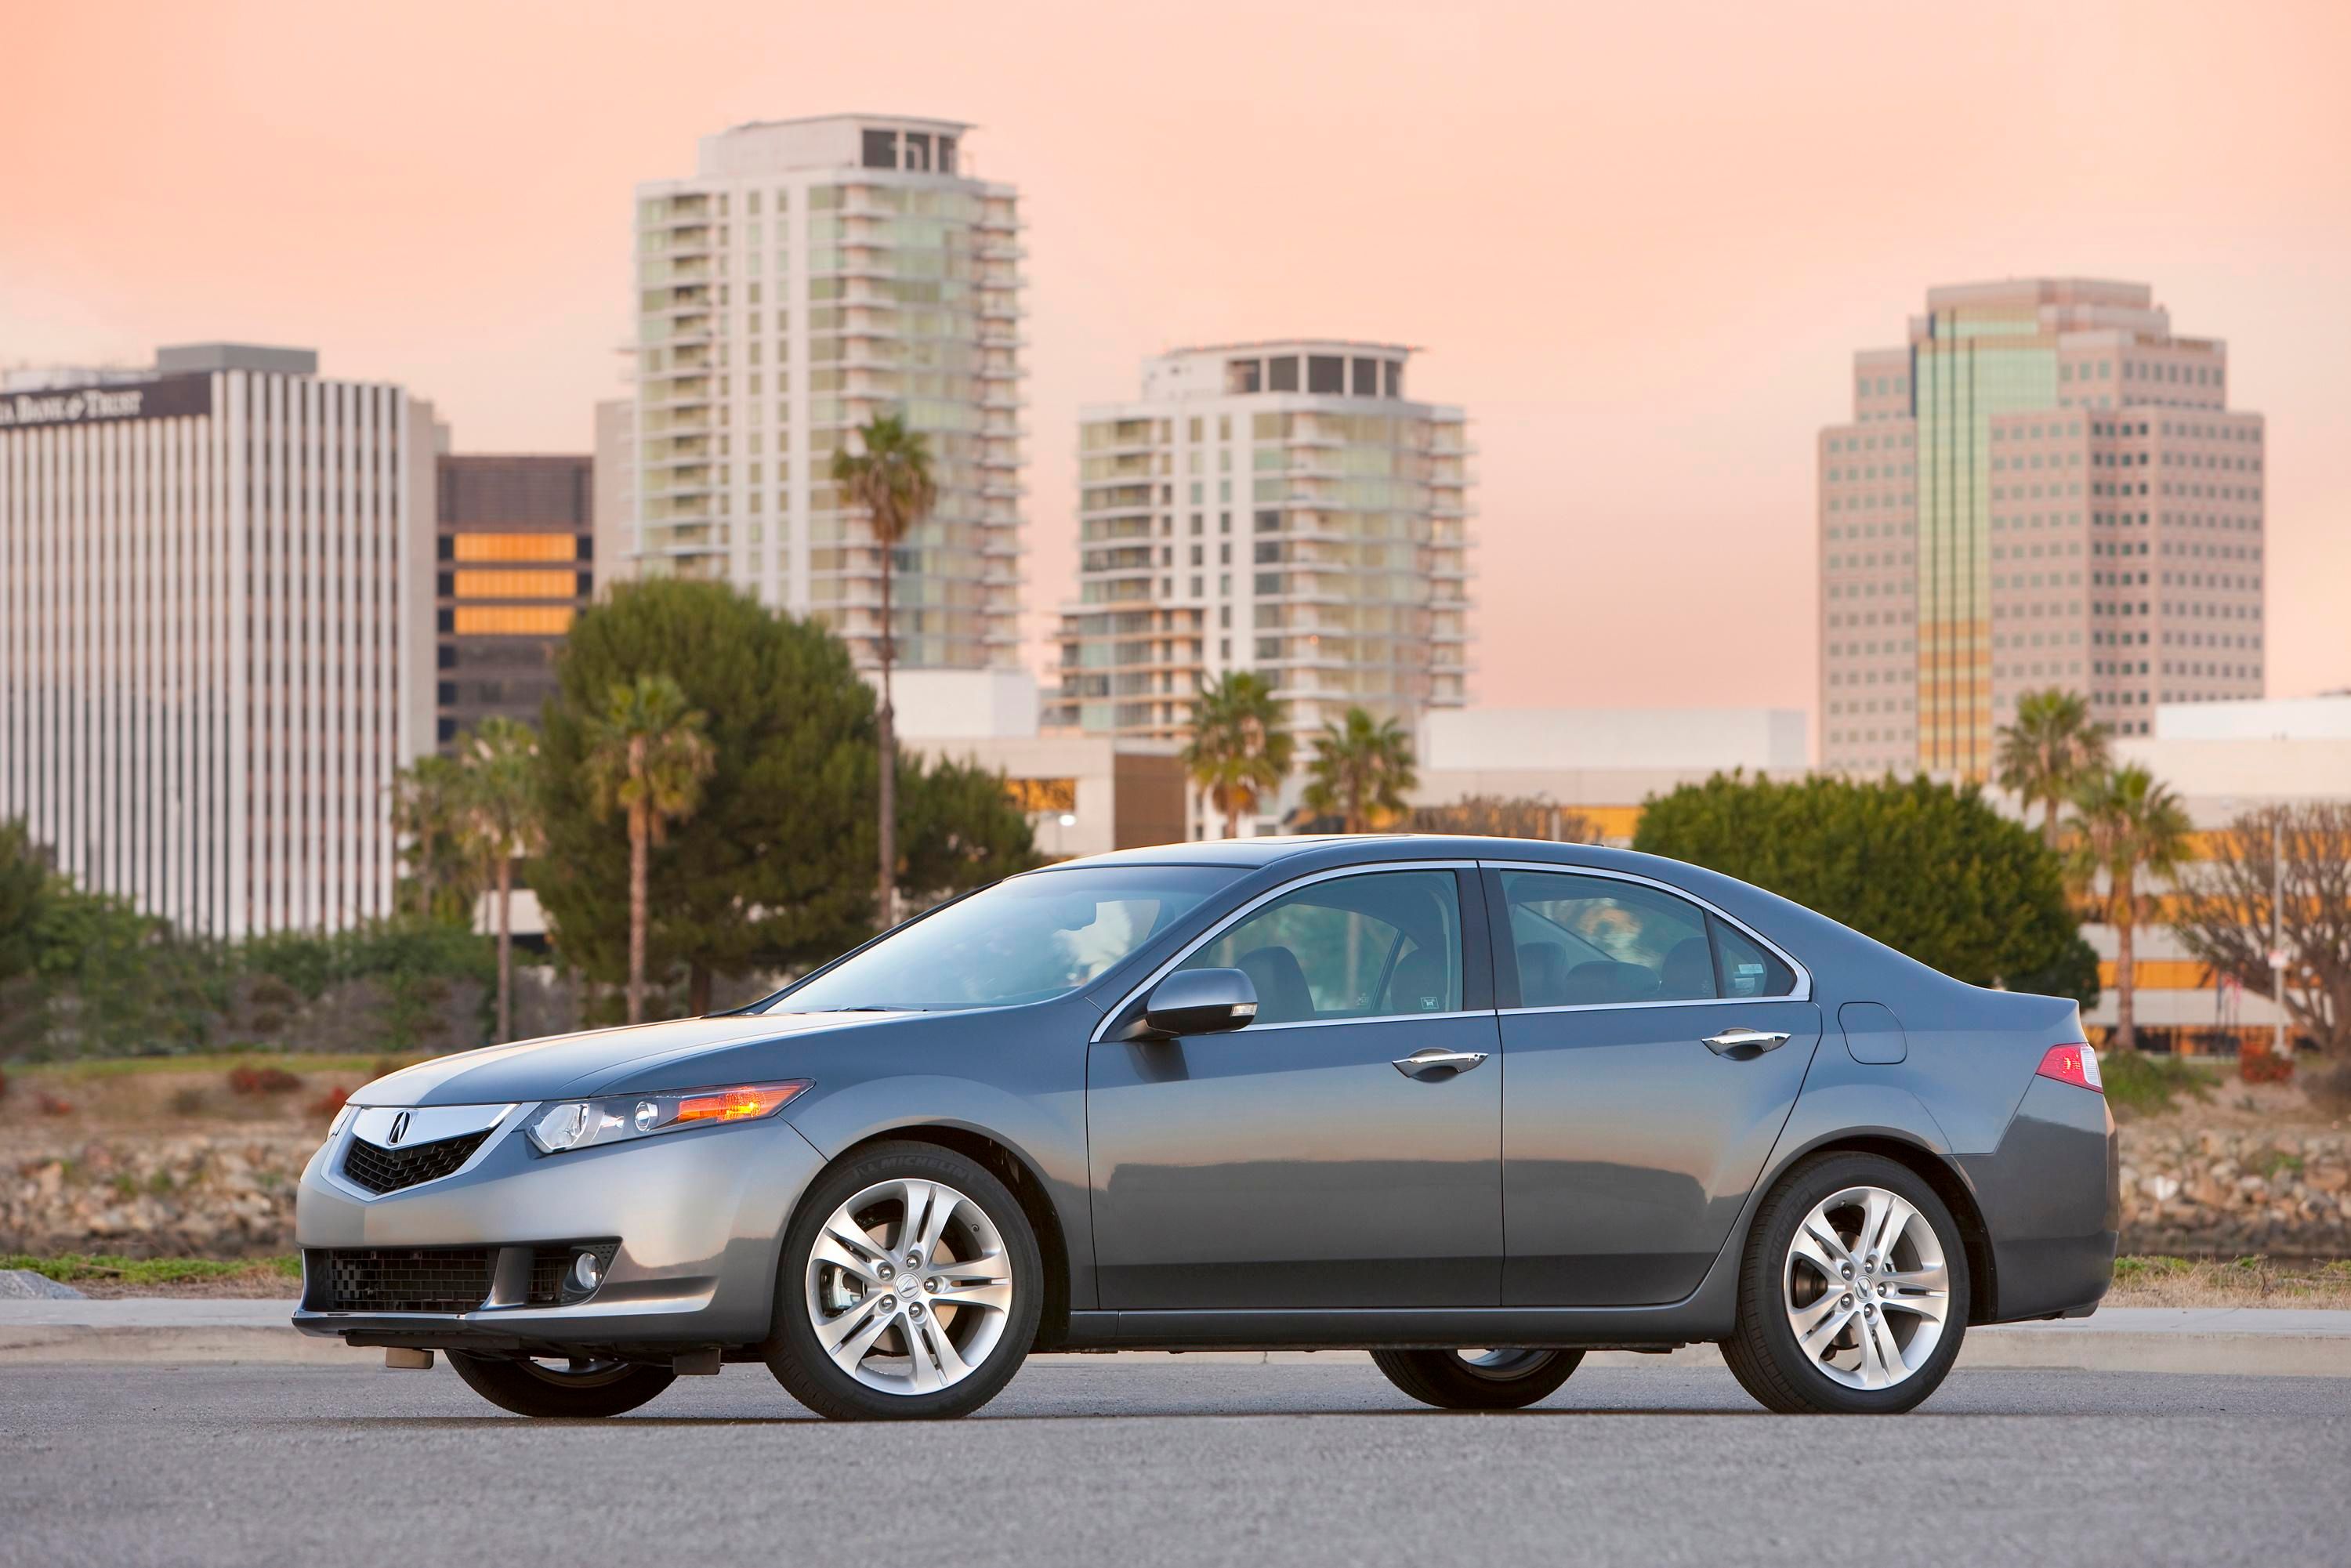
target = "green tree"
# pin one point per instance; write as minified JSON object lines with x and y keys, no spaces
{"x":2126,"y":827}
{"x":1362,"y":769}
{"x":25,"y":891}
{"x":959,"y":830}
{"x":1241,"y":749}
{"x":502,"y":821}
{"x":2047,"y":753}
{"x":647,"y":759}
{"x":1927,"y":868}
{"x":888,"y":477}
{"x":767,"y":875}
{"x":429,"y":811}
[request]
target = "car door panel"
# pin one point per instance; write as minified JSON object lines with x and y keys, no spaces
{"x":1628,"y":1145}
{"x":1297,"y":1168}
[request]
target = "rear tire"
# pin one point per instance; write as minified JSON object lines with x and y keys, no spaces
{"x":526,"y":1388}
{"x":1485,"y":1380}
{"x":1853,"y":1292}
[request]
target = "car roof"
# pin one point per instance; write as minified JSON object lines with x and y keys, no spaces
{"x":1320,"y":850}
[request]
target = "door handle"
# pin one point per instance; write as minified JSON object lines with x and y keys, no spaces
{"x":1758,"y":1040}
{"x":1436,"y":1064}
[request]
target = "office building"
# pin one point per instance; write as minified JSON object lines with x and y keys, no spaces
{"x":517,"y":560}
{"x":215,"y":631}
{"x":807,"y":275}
{"x":2045,"y":488}
{"x":1277,"y":507}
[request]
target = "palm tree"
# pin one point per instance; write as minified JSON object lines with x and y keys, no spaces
{"x":2051,"y":748}
{"x":500,"y":758}
{"x":1362,"y":769}
{"x":2125,"y":824}
{"x":1239,"y":750}
{"x":890,"y":477}
{"x":428,"y":809}
{"x":647,"y":757}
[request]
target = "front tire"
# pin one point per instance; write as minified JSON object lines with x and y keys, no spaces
{"x":909,"y":1288}
{"x":1852,"y":1294}
{"x":583,"y":1389}
{"x":1477,"y":1379}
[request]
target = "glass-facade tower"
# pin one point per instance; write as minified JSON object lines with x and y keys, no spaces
{"x":2045,"y":488}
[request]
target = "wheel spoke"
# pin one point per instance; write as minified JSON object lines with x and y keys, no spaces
{"x":1825,"y":1329}
{"x":943,"y":1204}
{"x":1877,"y":1331}
{"x":936,"y":1362}
{"x":917,"y":1196}
{"x":855,"y":1258}
{"x":848,"y":1337}
{"x":1896,"y":1218}
{"x":991,"y":1266}
{"x":1803,"y":1320}
{"x":995,"y":1296}
{"x":1823,"y":1236}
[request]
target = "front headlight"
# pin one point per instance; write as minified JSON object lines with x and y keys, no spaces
{"x":586,"y":1123}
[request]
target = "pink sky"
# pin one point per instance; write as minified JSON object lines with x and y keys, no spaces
{"x":1638,"y":246}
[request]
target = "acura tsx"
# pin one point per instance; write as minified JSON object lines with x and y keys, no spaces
{"x":1475,"y":1105}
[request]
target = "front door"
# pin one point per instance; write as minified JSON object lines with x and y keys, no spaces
{"x":1293,"y":1164}
{"x":1654,"y":1052}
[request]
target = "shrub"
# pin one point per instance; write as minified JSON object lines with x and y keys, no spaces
{"x":4,"y":1083}
{"x":2144,"y":1085}
{"x":2257,"y":1064}
{"x":262,"y":1080}
{"x":50,"y":1105}
{"x":329,"y":1102}
{"x":190,"y":1101}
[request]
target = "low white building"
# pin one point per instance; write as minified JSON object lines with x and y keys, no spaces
{"x":1599,"y":763}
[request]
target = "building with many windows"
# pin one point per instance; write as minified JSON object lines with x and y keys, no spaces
{"x":516,"y":554}
{"x":215,"y":631}
{"x":1278,"y":506}
{"x":2046,"y":487}
{"x":809,"y":274}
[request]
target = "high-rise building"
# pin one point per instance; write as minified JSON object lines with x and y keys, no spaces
{"x":2046,"y":487}
{"x":516,"y":549}
{"x":215,"y":631}
{"x":810,"y":275}
{"x":1279,"y":507}
{"x":615,"y":482}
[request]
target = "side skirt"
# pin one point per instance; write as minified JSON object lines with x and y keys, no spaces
{"x":1561,"y":1328}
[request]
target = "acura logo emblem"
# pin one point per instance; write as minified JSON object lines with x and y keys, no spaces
{"x":400,"y":1126}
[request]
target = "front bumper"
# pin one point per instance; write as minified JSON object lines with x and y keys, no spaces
{"x":699,"y":1217}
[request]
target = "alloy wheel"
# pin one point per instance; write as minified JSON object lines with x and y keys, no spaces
{"x":909,"y":1287}
{"x":1866,"y":1288}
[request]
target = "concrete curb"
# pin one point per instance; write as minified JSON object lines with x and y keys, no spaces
{"x":2238,"y":1341}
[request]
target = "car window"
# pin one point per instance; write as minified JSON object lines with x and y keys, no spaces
{"x":1585,"y":940}
{"x":1026,"y":939}
{"x":1748,"y":968}
{"x":1351,"y":946}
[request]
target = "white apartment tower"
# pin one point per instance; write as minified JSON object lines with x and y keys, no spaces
{"x":810,"y":275}
{"x":1278,"y":506}
{"x":216,"y":632}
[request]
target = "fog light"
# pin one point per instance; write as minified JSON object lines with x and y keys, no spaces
{"x":587,"y":1271}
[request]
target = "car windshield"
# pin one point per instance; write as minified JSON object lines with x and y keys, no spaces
{"x":1027,"y":939}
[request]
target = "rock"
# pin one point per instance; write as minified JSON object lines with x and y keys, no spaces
{"x":23,"y":1284}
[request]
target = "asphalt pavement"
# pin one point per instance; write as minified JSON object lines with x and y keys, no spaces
{"x":1115,"y":1463}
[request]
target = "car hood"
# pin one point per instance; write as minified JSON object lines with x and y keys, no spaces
{"x":562,"y":1065}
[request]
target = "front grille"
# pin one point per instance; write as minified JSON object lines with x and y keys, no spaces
{"x":381,"y":1170}
{"x":401,"y":1280}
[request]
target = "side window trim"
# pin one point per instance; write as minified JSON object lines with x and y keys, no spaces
{"x":1505,"y":959}
{"x":1468,"y":958}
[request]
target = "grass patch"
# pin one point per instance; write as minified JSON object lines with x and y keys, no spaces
{"x":2141,"y":1084}
{"x":105,"y":1268}
{"x":2156,"y":1280}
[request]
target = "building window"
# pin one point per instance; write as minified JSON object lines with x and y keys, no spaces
{"x":515,"y":547}
{"x":511,"y":621}
{"x":1282,"y":374}
{"x":1326,"y":373}
{"x":880,"y":150}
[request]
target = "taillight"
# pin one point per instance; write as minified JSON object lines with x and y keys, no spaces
{"x":2074,"y":1064}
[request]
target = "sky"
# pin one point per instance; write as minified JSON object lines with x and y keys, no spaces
{"x":1639,"y":244}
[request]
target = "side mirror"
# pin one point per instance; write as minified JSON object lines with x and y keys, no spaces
{"x":1198,"y":1001}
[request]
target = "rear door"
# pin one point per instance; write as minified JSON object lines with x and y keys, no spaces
{"x":1654,"y":1051}
{"x":1294,"y":1164}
